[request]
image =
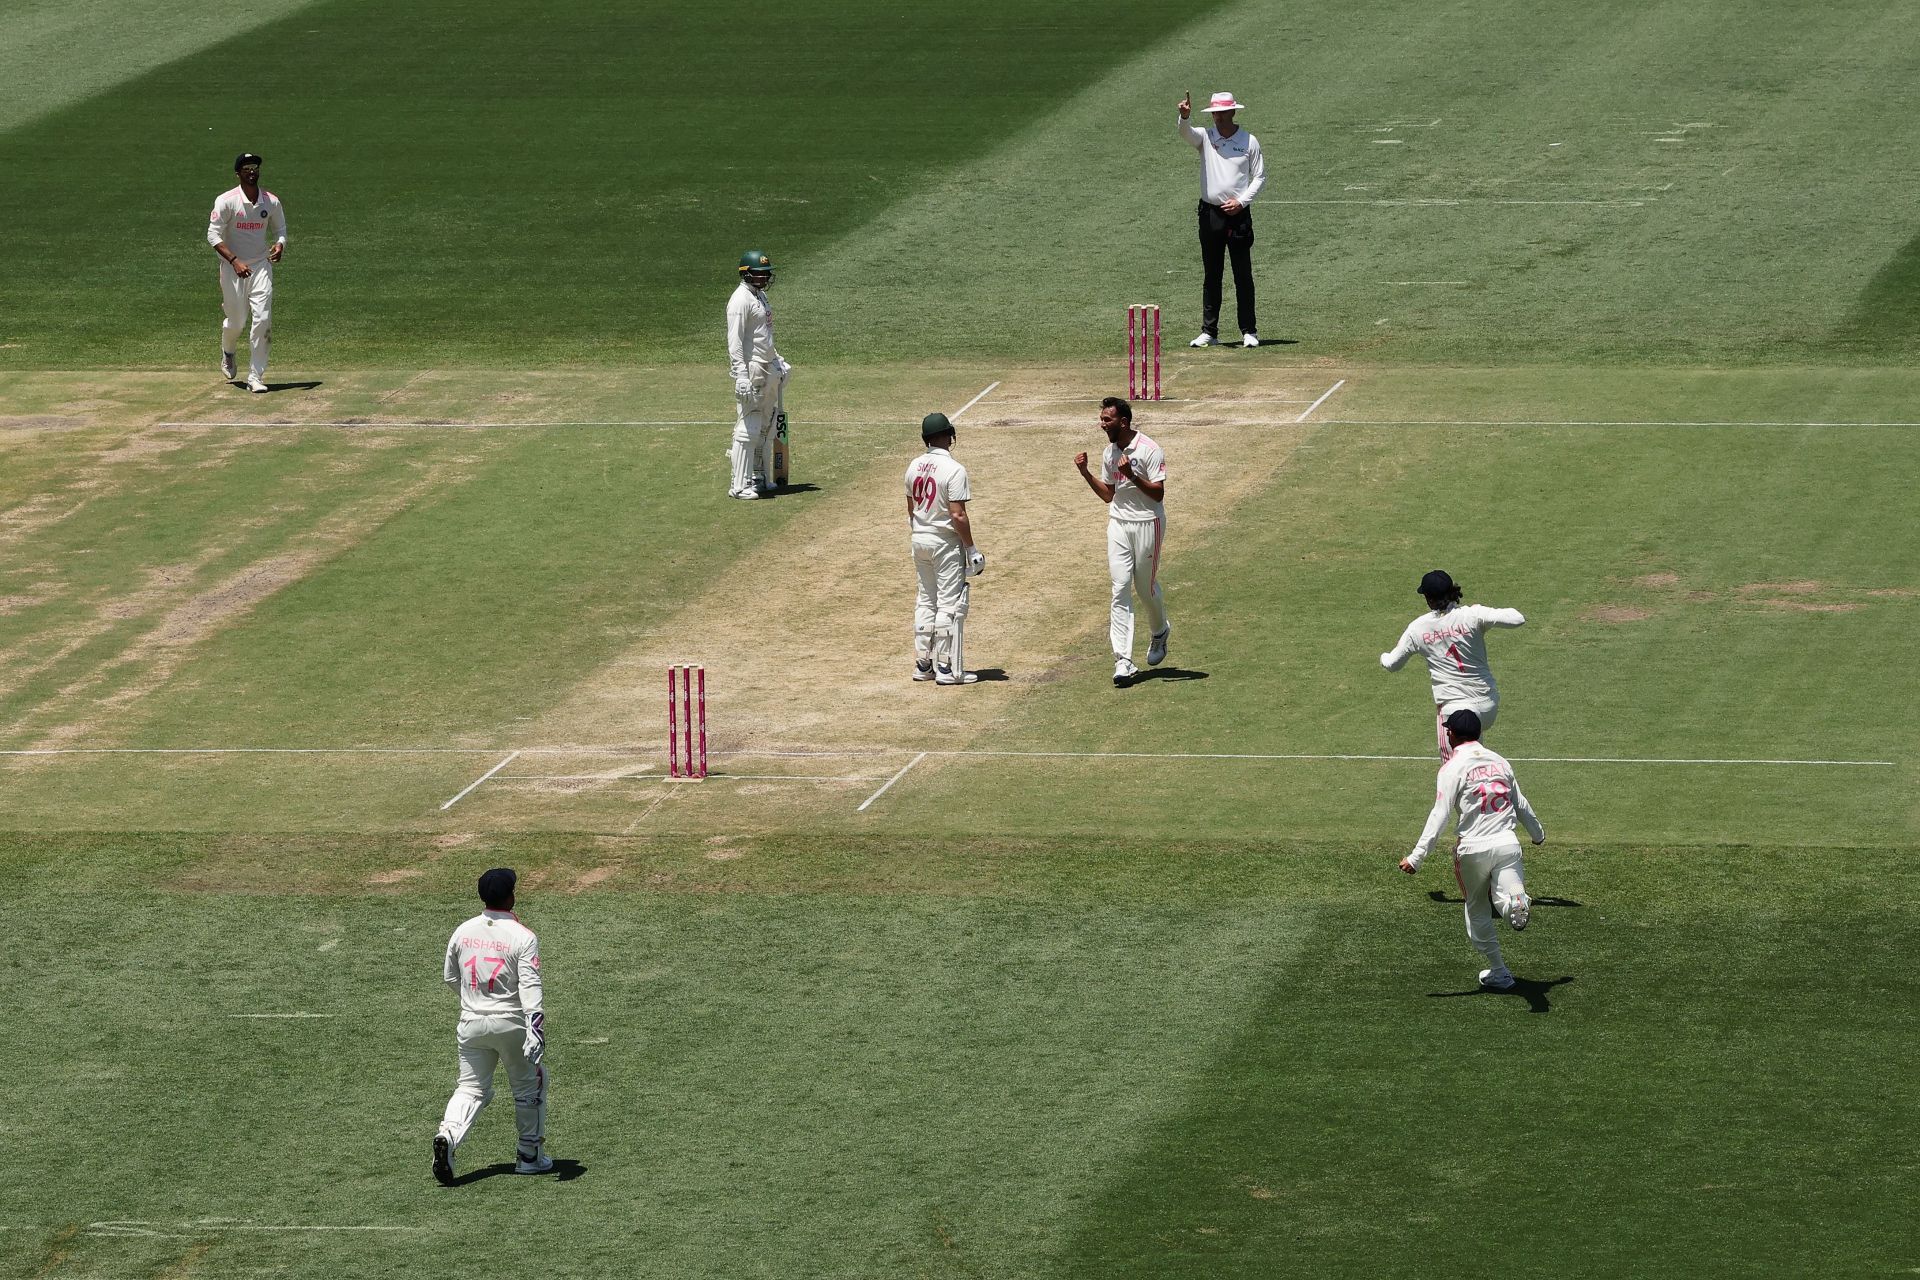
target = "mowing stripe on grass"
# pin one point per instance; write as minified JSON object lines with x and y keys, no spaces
{"x":1541,"y":422}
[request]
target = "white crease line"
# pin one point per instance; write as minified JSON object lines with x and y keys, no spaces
{"x":1423,"y":282}
{"x":280,"y":1015}
{"x":888,"y":785}
{"x":477,"y":781}
{"x":376,"y":426}
{"x":661,"y":777}
{"x":136,"y":1228}
{"x":1444,"y":203}
{"x":1491,"y":422}
{"x":1322,"y":400}
{"x":976,"y":400}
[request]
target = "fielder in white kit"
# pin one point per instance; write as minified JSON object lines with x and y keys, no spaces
{"x":1133,"y":484}
{"x":944,"y":556}
{"x":248,"y":229}
{"x":759,"y":378}
{"x":1480,"y":787}
{"x":493,"y":961}
{"x":1451,"y":637}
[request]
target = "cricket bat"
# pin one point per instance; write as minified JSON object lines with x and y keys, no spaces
{"x":782,"y":449}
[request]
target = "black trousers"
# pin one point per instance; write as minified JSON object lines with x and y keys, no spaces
{"x":1223,"y":234}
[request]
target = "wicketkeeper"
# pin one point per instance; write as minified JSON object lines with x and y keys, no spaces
{"x":493,"y":961}
{"x":759,"y":378}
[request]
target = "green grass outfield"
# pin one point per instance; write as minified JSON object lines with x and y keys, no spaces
{"x":1032,"y":979}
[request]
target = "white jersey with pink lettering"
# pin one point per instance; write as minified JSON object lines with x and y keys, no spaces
{"x":494,"y":961}
{"x":934,"y":483}
{"x":248,"y":227}
{"x":1149,"y":461}
{"x":1478,"y":784}
{"x":1453,"y":643}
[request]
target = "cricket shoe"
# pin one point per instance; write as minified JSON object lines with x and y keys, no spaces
{"x":1496,"y":979}
{"x":227,"y":366}
{"x":256,"y":384}
{"x":538,"y":1162}
{"x":1519,"y":911}
{"x":1204,"y":340}
{"x":1249,"y":339}
{"x":923,"y":668}
{"x":1124,"y":673}
{"x":745,"y":495}
{"x":442,"y":1160}
{"x":1157,"y":651}
{"x":947,"y":676}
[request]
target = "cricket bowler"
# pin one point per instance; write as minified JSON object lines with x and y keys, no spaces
{"x":944,"y":555}
{"x":248,"y":229}
{"x":1133,"y":484}
{"x":493,"y":961}
{"x":759,"y":379}
{"x":1451,"y":637}
{"x":1480,"y":787}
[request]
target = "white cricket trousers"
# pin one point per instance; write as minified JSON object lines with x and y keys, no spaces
{"x":487,"y":1042}
{"x":1487,"y":711}
{"x":239,"y":297}
{"x":1133,"y":565}
{"x":755,"y":416}
{"x":1489,"y":880}
{"x":941,"y":601}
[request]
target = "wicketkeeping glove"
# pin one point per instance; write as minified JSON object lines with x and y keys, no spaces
{"x":536,"y":1046}
{"x":976,"y":562}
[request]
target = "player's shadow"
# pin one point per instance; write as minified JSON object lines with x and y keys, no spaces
{"x":562,"y":1171}
{"x":1440,"y":895}
{"x":1264,"y":344}
{"x":288,"y":386}
{"x":1532,"y":990}
{"x":990,"y":675}
{"x":785,"y":489}
{"x":1166,"y":673}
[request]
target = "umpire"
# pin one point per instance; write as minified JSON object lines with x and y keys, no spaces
{"x":1231,"y":175}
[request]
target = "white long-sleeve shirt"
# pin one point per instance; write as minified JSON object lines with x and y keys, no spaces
{"x":494,"y":962}
{"x":1453,"y":643}
{"x":934,"y":483}
{"x":1478,"y":785}
{"x":1130,"y":501}
{"x":1230,"y":168}
{"x":248,"y":227}
{"x":749,"y":331}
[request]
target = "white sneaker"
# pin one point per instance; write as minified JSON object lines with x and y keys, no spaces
{"x":1204,"y":340}
{"x":227,"y":367}
{"x":946,"y":676}
{"x":442,"y":1160}
{"x":923,"y":668}
{"x":745,"y":495}
{"x":1157,"y":650}
{"x":1519,"y":911}
{"x":1123,"y":673}
{"x":541,"y":1163}
{"x":255,"y":384}
{"x":1249,"y":339}
{"x":1496,"y":979}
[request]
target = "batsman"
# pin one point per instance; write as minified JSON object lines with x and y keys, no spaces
{"x":758,"y":455}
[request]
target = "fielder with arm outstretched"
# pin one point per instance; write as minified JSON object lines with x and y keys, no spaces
{"x":1479,"y":786}
{"x":1451,"y":638}
{"x":493,"y":961}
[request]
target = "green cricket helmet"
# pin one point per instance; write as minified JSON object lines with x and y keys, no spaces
{"x":756,"y":268}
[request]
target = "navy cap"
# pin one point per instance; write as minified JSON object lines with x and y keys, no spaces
{"x":1438,"y":584}
{"x":496,"y":886}
{"x":1464,"y":725}
{"x":244,"y":158}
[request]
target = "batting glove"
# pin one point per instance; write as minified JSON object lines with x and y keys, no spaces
{"x":536,"y":1046}
{"x":976,"y":562}
{"x":743,"y":388}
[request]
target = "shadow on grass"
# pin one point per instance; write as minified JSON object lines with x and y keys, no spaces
{"x":1165,"y":673}
{"x":781,"y":491}
{"x":284,"y":386}
{"x":562,"y":1171}
{"x":1532,"y":990}
{"x":1440,"y":895}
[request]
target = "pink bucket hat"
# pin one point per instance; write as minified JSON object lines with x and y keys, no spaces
{"x":1224,"y":102}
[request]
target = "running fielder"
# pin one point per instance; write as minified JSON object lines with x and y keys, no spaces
{"x":1451,"y":637}
{"x":1480,"y":787}
{"x":1133,"y":484}
{"x":248,"y":229}
{"x":759,"y":378}
{"x":944,"y":556}
{"x":493,"y":961}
